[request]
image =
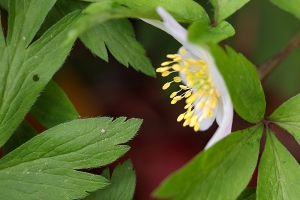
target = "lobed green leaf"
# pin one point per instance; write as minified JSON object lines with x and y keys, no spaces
{"x":221,"y":172}
{"x":278,"y":173}
{"x":53,"y":107}
{"x":201,"y":33}
{"x":288,"y":116}
{"x":243,"y":83}
{"x":291,"y":6}
{"x":124,"y":47}
{"x":122,"y":184}
{"x":225,"y":8}
{"x":25,"y":70}
{"x":48,"y":161}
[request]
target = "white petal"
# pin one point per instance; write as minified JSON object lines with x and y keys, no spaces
{"x":207,"y":122}
{"x":169,"y":25}
{"x":226,"y":123}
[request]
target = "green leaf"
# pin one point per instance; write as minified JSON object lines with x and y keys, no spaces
{"x":242,"y":82}
{"x":4,"y":4}
{"x":25,"y":70}
{"x":278,"y":173}
{"x":53,"y":107}
{"x":221,"y":172}
{"x":103,"y":11}
{"x":291,"y":6}
{"x":48,"y":161}
{"x":24,"y":133}
{"x":123,"y":46}
{"x":25,"y":18}
{"x":182,"y":10}
{"x":225,"y":8}
{"x":121,"y":187}
{"x":288,"y":116}
{"x":248,"y":194}
{"x":200,"y":32}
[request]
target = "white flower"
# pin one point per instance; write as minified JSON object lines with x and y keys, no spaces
{"x":203,"y":87}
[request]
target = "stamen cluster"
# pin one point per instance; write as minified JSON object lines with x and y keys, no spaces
{"x":199,"y":91}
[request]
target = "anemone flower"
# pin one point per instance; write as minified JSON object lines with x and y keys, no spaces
{"x":200,"y":82}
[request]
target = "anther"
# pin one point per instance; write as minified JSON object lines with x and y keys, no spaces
{"x":180,"y":117}
{"x":176,"y":67}
{"x":177,"y":79}
{"x":173,"y":94}
{"x":166,"y":85}
{"x":166,"y":73}
{"x":182,"y":51}
{"x":172,"y":56}
{"x":165,"y":63}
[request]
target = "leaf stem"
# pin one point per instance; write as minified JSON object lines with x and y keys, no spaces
{"x":266,"y":68}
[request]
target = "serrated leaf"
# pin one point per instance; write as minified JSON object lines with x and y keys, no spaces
{"x":25,"y":70}
{"x":47,"y":162}
{"x":243,"y":83}
{"x":225,"y":8}
{"x":24,"y":133}
{"x":288,"y":116}
{"x":291,"y":6}
{"x":248,"y":194}
{"x":278,"y":173}
{"x":123,"y":46}
{"x":53,"y":107}
{"x":121,"y":187}
{"x":200,"y":32}
{"x":221,"y":172}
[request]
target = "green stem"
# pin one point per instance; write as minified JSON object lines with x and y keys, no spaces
{"x":266,"y":68}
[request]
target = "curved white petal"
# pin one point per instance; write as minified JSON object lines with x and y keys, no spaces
{"x":225,"y":126}
{"x":224,"y":111}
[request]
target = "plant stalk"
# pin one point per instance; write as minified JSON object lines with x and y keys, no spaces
{"x":266,"y":68}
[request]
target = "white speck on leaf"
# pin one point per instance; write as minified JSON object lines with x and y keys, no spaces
{"x":102,"y":131}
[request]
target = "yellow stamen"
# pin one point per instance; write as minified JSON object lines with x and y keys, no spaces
{"x":188,"y":94}
{"x":177,"y":79}
{"x":186,"y":122}
{"x":188,"y":115}
{"x":166,"y":86}
{"x":182,"y":51}
{"x":183,"y":87}
{"x":199,"y":89}
{"x":166,"y":73}
{"x":172,"y":56}
{"x":162,"y":69}
{"x":165,"y":63}
{"x":176,"y":67}
{"x":180,"y":117}
{"x":173,"y":101}
{"x":173,"y":94}
{"x":197,"y":127}
{"x":177,"y":98}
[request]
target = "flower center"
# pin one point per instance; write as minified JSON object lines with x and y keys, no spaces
{"x":199,"y":91}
